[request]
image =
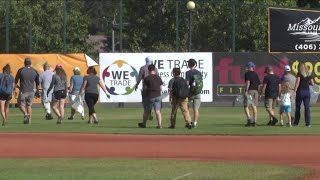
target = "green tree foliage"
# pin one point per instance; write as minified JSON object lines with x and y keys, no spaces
{"x":41,"y":24}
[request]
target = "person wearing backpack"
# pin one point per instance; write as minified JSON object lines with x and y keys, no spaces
{"x":28,"y":78}
{"x":195,"y":82}
{"x":6,"y":92}
{"x":179,"y":92}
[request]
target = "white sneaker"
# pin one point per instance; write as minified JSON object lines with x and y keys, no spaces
{"x":281,"y":122}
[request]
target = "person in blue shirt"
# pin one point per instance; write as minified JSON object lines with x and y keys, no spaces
{"x":74,"y":90}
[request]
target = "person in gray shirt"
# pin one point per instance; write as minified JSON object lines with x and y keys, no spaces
{"x":288,"y":76}
{"x":59,"y":83}
{"x":45,"y":80}
{"x":90,"y":88}
{"x":28,"y":77}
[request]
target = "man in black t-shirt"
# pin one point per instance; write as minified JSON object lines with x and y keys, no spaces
{"x":152,"y":88}
{"x":252,"y":83}
{"x":271,"y":88}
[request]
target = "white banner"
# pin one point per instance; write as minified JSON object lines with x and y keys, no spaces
{"x":119,"y":71}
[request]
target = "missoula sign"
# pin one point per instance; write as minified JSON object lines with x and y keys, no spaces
{"x":293,"y":30}
{"x":229,"y":69}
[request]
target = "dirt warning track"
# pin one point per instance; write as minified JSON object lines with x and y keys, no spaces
{"x":286,"y":150}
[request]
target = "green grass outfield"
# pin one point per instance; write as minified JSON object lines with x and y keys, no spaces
{"x":213,"y":121}
{"x":124,"y":169}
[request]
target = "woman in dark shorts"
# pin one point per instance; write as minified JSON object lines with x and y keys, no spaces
{"x":6,"y":92}
{"x":59,"y":82}
{"x":90,"y":88}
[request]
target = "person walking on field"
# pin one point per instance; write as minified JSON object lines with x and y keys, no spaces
{"x":45,"y":81}
{"x":304,"y":79}
{"x":271,"y":89}
{"x":143,"y":73}
{"x":152,"y":85}
{"x":91,"y":93}
{"x":75,"y":85}
{"x":291,"y":79}
{"x":59,"y":83}
{"x":179,"y":92}
{"x":252,"y":83}
{"x":285,"y":102}
{"x":195,"y":82}
{"x":6,"y":92}
{"x":28,"y":77}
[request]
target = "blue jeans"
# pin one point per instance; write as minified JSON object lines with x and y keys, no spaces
{"x":303,"y":95}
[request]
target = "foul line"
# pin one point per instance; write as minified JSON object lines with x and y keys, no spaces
{"x":179,"y":177}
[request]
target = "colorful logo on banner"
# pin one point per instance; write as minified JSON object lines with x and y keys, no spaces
{"x":122,"y":75}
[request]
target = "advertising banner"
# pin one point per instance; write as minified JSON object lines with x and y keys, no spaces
{"x":119,"y":71}
{"x":293,"y":30}
{"x":229,"y":69}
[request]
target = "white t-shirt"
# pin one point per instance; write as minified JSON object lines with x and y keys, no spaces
{"x":285,"y":99}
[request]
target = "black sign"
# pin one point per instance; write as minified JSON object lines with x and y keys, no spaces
{"x":294,"y":30}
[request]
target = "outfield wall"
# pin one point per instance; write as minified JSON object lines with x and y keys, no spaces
{"x":224,"y":72}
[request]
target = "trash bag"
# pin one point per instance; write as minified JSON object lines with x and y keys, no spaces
{"x":314,"y":94}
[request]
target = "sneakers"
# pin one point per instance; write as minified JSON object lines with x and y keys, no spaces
{"x":274,"y":121}
{"x":189,"y":125}
{"x":26,"y":119}
{"x":141,"y":125}
{"x":82,"y":117}
{"x":269,"y":123}
{"x":248,"y":123}
{"x":59,"y":120}
{"x":70,"y":118}
{"x":171,"y":127}
{"x":308,"y":125}
{"x":281,"y":123}
{"x":289,"y":125}
{"x":253,"y":124}
{"x":49,"y":117}
{"x":96,"y":122}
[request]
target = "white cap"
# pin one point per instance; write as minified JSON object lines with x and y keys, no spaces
{"x":148,"y":60}
{"x":287,"y":68}
{"x":76,"y":68}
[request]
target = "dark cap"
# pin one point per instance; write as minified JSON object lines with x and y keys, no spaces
{"x":192,"y":62}
{"x":27,"y":61}
{"x":268,"y":69}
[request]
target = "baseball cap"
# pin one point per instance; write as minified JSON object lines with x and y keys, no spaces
{"x":192,"y":62}
{"x":59,"y":66}
{"x":268,"y":69}
{"x":76,"y":68}
{"x":250,"y":65}
{"x":148,"y":60}
{"x":287,"y":68}
{"x":27,"y":61}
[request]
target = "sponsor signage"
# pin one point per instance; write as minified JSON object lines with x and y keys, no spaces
{"x":293,"y":30}
{"x":119,"y":71}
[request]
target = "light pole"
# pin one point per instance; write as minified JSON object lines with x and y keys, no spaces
{"x":190,"y":6}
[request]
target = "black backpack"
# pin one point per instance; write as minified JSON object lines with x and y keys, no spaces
{"x":180,"y":88}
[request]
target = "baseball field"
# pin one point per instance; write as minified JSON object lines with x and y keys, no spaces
{"x":219,"y":148}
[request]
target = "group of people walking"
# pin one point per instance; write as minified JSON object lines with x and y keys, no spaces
{"x":55,"y":90}
{"x":289,"y":90}
{"x":181,"y":92}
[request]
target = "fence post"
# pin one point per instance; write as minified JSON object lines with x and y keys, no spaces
{"x":7,"y":25}
{"x":234,"y":25}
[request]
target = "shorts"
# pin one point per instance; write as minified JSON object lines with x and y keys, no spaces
{"x":152,"y":102}
{"x":5,"y":97}
{"x":25,"y":98}
{"x":270,"y":103}
{"x":285,"y":108}
{"x":196,"y":101}
{"x":254,"y":101}
{"x":62,"y":94}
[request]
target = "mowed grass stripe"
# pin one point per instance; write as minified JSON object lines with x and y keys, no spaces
{"x":127,"y":169}
{"x":213,"y":121}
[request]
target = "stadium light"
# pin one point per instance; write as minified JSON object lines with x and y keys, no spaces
{"x":190,"y":6}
